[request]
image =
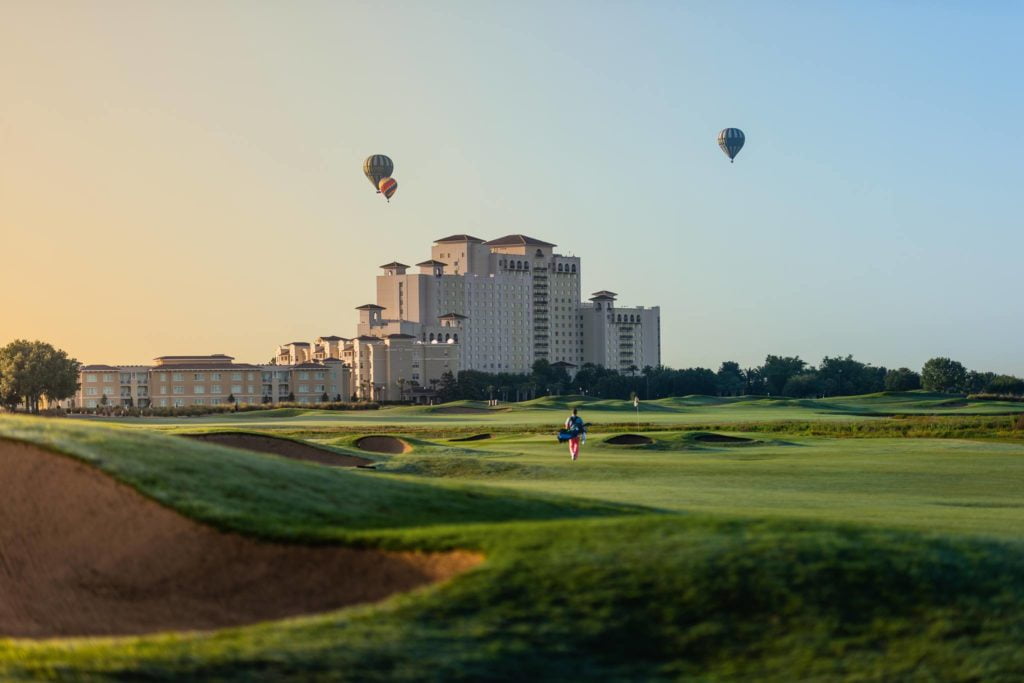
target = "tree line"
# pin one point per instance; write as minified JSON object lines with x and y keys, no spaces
{"x":778,"y":376}
{"x":33,"y":371}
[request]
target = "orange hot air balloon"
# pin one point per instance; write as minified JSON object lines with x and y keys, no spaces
{"x":387,"y":187}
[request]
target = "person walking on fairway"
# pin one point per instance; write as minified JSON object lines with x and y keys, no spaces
{"x":575,"y":433}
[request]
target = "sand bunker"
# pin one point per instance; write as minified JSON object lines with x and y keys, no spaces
{"x":383,"y":444}
{"x":475,"y":437}
{"x":282,"y":447}
{"x":629,"y":440}
{"x":81,"y":554}
{"x":721,"y":438}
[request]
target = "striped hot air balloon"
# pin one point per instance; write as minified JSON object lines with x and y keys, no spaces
{"x":731,"y":141}
{"x":387,"y":187}
{"x":376,"y":168}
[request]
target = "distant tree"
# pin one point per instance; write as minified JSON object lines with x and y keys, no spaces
{"x":30,"y":371}
{"x":753,"y":381}
{"x":729,"y":379}
{"x":291,"y":397}
{"x":104,"y":400}
{"x":448,"y":387}
{"x":804,"y":385}
{"x":977,"y":381}
{"x":902,"y":379}
{"x":943,"y":374}
{"x":777,"y":370}
{"x":324,"y":398}
{"x":841,"y":375}
{"x":1005,"y":384}
{"x":231,"y":398}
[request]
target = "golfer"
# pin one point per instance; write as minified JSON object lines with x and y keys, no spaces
{"x":575,"y":433}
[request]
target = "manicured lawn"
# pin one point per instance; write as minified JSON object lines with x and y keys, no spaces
{"x":790,"y":558}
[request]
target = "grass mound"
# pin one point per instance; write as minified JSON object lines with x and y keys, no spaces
{"x":711,"y":437}
{"x":280,"y":499}
{"x":459,"y":466}
{"x":474,"y":437}
{"x":733,"y":600}
{"x":629,"y":440}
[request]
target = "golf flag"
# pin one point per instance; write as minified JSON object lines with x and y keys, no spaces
{"x":636,"y":401}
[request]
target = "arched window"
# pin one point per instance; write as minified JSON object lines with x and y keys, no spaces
{"x":431,"y":336}
{"x":574,"y":267}
{"x":447,"y":336}
{"x":618,"y":318}
{"x":559,"y":267}
{"x":540,"y":253}
{"x":455,"y":337}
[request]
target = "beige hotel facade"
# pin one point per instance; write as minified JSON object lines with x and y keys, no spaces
{"x":494,"y":306}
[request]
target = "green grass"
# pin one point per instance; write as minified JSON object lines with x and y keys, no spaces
{"x":797,"y":556}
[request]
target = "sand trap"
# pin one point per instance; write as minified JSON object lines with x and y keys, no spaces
{"x":629,"y":440}
{"x":721,"y":438}
{"x":282,"y":447}
{"x":475,"y":437}
{"x":81,"y":554}
{"x":383,"y":444}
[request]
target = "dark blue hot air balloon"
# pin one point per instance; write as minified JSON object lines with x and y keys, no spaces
{"x":731,"y":141}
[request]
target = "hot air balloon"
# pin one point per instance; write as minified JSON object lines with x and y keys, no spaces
{"x":387,"y":187}
{"x":376,"y":168}
{"x":731,"y":141}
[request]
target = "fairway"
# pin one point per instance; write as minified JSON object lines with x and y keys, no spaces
{"x":868,"y":537}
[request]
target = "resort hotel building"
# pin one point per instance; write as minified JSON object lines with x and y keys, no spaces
{"x":493,"y":306}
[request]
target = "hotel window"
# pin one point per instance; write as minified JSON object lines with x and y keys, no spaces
{"x":303,"y":375}
{"x":126,"y":378}
{"x":252,"y":389}
{"x":108,"y":377}
{"x":199,"y":402}
{"x":179,"y":403}
{"x":178,"y":389}
{"x":236,"y":376}
{"x":215,"y":376}
{"x":198,"y":377}
{"x":318,"y":375}
{"x":199,"y":389}
{"x":90,"y":378}
{"x":163,"y":403}
{"x":91,"y":391}
{"x":163,"y":390}
{"x":215,"y":389}
{"x":163,"y":377}
{"x":214,"y":401}
{"x":250,"y":376}
{"x":178,"y":377}
{"x":236,"y":388}
{"x":303,"y":388}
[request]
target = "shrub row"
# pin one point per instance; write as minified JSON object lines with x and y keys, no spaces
{"x":1012,"y":398}
{"x":197,"y":411}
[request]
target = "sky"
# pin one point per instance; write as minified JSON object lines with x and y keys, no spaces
{"x":185,"y":177}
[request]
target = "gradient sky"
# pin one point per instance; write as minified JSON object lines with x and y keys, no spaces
{"x":185,"y":177}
